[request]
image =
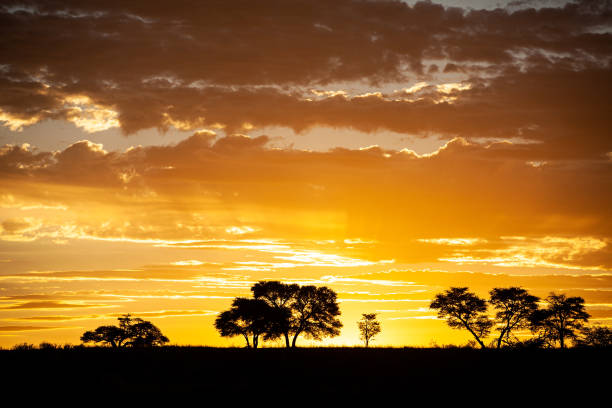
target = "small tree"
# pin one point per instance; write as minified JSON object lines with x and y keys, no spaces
{"x":560,"y":320}
{"x":132,"y":332}
{"x":463,"y":309}
{"x":314,"y":313}
{"x":514,"y":307}
{"x":368,"y":327}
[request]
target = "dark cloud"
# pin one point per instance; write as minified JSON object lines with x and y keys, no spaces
{"x":540,"y":77}
{"x":542,"y":73}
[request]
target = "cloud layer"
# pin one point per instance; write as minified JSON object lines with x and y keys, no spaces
{"x":541,"y":75}
{"x":208,"y":188}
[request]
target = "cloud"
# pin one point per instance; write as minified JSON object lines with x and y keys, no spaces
{"x":551,"y":252}
{"x":58,"y":318}
{"x":207,"y":189}
{"x":49,"y":305}
{"x":25,"y":328}
{"x":507,"y":73}
{"x":484,"y":282}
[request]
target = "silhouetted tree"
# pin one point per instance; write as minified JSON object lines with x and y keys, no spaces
{"x":463,"y":309}
{"x":280,"y":296}
{"x":107,"y":335}
{"x":314,"y":313}
{"x":145,"y":334}
{"x":132,"y":332}
{"x":250,"y":317}
{"x":368,"y":327}
{"x":597,"y":336}
{"x":514,"y":307}
{"x":560,"y":320}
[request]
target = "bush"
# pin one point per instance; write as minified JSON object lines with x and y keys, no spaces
{"x":48,"y":346}
{"x":23,"y":346}
{"x":532,"y":343}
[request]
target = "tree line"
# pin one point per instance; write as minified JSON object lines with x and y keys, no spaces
{"x":278,"y":310}
{"x":561,"y":319}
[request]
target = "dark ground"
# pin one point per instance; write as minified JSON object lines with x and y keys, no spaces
{"x":310,"y":373}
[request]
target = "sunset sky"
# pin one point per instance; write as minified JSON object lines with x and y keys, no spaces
{"x":159,"y":158}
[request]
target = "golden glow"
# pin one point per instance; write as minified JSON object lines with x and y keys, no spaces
{"x":453,"y":87}
{"x":552,"y":252}
{"x":189,"y":244}
{"x":89,"y":116}
{"x":171,"y":165}
{"x":416,"y":87}
{"x":15,"y":123}
{"x":452,"y":241}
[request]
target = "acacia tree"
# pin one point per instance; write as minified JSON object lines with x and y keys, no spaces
{"x":285,"y":310}
{"x":250,"y":317}
{"x":145,"y":334}
{"x":560,"y":320}
{"x":514,"y":307}
{"x":281,"y":297}
{"x":368,"y":327}
{"x":131,"y":332}
{"x":463,"y":309}
{"x":314,"y":313}
{"x":106,"y":335}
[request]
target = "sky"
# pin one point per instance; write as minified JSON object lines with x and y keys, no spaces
{"x":159,"y":158}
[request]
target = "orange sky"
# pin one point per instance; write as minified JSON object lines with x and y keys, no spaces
{"x":159,"y":160}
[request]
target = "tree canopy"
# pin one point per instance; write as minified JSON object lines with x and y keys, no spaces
{"x":560,"y":320}
{"x":314,"y":313}
{"x":251,"y":317}
{"x":514,"y":307}
{"x":280,"y":296}
{"x":131,"y":332}
{"x":563,"y":317}
{"x":463,"y":309}
{"x":106,"y":335}
{"x":282,"y":310}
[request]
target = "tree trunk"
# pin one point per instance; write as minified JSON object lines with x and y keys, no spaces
{"x":501,"y":336}
{"x":562,"y":335}
{"x":287,"y":340}
{"x":255,"y":341}
{"x":482,"y":345}
{"x":295,"y":339}
{"x":246,"y":336}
